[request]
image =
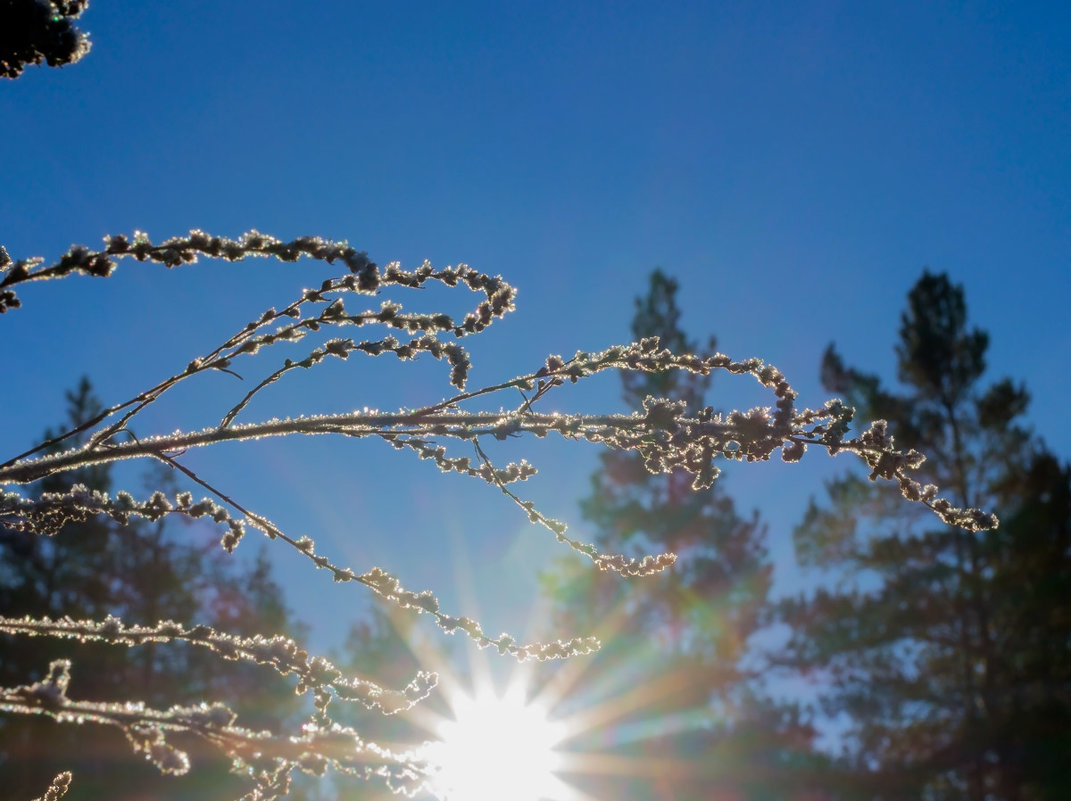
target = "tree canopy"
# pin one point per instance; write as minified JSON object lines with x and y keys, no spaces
{"x":35,"y":31}
{"x":945,"y":648}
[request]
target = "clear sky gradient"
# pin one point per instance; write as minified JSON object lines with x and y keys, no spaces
{"x":795,"y":166}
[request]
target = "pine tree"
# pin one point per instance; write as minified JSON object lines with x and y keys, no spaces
{"x":948,"y":650}
{"x":674,"y":643}
{"x":141,"y":572}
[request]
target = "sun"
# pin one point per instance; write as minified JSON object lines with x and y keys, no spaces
{"x":495,"y":747}
{"x":531,"y":731}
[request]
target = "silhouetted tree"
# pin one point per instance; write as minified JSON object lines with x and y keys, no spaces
{"x":948,"y":650}
{"x":32,"y":31}
{"x":674,"y":643}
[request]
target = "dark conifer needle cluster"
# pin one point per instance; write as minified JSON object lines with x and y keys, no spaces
{"x":35,"y":31}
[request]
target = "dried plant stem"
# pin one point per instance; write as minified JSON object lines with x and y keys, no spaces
{"x":669,"y":437}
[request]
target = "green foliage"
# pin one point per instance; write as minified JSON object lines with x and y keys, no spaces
{"x":946,"y":648}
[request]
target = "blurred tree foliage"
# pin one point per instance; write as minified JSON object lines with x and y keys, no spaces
{"x":948,"y":651}
{"x":685,"y":718}
{"x":386,"y":646}
{"x":142,"y":572}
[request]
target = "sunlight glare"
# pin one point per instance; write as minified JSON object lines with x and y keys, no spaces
{"x":495,"y":748}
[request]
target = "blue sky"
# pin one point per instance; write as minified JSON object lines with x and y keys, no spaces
{"x":795,"y":166}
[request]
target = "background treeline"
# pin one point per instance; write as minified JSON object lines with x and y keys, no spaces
{"x":941,"y":658}
{"x":142,"y":572}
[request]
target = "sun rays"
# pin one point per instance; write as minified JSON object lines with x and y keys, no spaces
{"x":555,"y":731}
